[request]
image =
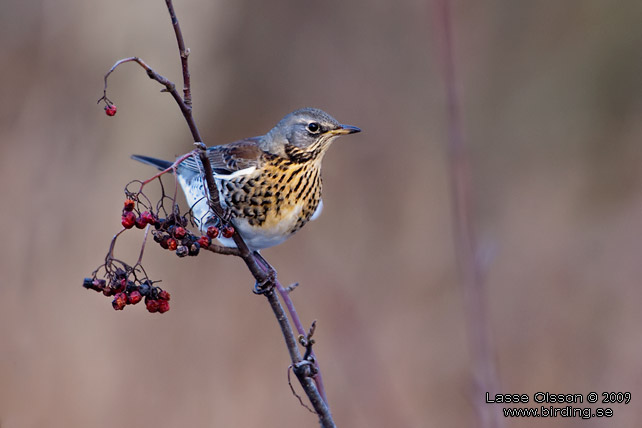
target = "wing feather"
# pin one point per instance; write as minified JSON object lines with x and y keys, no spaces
{"x":229,"y":158}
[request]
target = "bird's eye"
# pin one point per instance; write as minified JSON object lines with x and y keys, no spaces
{"x":314,"y":127}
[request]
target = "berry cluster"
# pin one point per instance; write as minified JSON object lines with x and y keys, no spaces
{"x":128,"y":285}
{"x":129,"y":292}
{"x":172,"y":234}
{"x":130,"y":219}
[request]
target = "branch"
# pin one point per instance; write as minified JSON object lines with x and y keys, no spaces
{"x":169,"y":87}
{"x":305,"y":368}
{"x":187,"y":94}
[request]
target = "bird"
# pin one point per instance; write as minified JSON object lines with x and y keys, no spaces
{"x":269,"y":185}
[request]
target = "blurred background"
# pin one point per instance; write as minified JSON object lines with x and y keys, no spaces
{"x":552,"y":100}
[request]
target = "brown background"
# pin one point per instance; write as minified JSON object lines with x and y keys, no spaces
{"x":552,"y":95}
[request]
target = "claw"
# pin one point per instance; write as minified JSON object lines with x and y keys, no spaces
{"x":265,"y":286}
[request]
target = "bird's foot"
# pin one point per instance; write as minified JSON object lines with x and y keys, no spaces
{"x":266,"y":285}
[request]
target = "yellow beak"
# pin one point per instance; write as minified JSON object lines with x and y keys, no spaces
{"x":344,"y":129}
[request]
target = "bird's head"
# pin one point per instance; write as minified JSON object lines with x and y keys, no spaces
{"x":305,"y":134}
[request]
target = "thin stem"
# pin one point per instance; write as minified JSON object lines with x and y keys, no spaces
{"x":142,"y":248}
{"x":285,"y":295}
{"x":170,"y":87}
{"x":165,"y":171}
{"x":284,"y":292}
{"x":470,"y":270}
{"x":219,"y":249}
{"x":110,"y":253}
{"x":301,"y":367}
{"x":260,"y":275}
{"x":184,"y":53}
{"x":310,"y":379}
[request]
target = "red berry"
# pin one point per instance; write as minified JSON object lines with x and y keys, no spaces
{"x":129,"y":220}
{"x":129,"y":205}
{"x":228,"y":232}
{"x":204,"y":241}
{"x":212,"y":232}
{"x":140,"y":223}
{"x":179,"y":232}
{"x":163,"y":306}
{"x":163,"y":295}
{"x":152,"y":305}
{"x":172,"y":244}
{"x":119,"y":302}
{"x":134,"y":297}
{"x":110,"y":110}
{"x":148,"y":217}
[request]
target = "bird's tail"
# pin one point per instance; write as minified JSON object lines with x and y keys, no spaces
{"x":158,"y":163}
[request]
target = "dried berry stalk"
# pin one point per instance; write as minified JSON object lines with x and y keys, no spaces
{"x":171,"y":231}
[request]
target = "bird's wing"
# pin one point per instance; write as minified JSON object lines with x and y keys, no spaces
{"x":230,"y":160}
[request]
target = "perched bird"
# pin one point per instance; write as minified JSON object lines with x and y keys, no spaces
{"x":271,"y":184}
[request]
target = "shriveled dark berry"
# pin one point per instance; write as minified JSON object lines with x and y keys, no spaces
{"x":120,"y":285}
{"x":94,"y":284}
{"x":194,"y":249}
{"x":182,"y":251}
{"x":129,"y":205}
{"x":145,"y":288}
{"x":153,"y":293}
{"x":131,"y":286}
{"x":164,"y":242}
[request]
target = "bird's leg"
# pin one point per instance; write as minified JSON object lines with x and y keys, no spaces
{"x":227,"y":214}
{"x":270,"y":280}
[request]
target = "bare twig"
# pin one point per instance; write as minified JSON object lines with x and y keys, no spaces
{"x":184,"y":52}
{"x":485,"y":374}
{"x":306,"y":369}
{"x":170,"y":87}
{"x":295,"y":393}
{"x":142,"y":247}
{"x":219,"y":249}
{"x":290,"y":288}
{"x":284,"y":292}
{"x":110,"y":253}
{"x":285,"y":295}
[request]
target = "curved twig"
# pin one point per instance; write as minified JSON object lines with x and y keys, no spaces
{"x":306,"y":369}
